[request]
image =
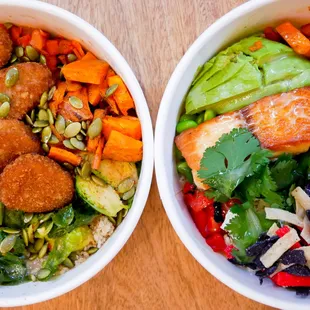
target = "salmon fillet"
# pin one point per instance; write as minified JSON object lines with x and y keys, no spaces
{"x":281,"y":123}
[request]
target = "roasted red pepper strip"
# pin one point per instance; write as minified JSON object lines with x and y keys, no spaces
{"x":288,"y":280}
{"x":216,"y":242}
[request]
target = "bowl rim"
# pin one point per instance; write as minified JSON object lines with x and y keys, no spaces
{"x":161,"y":165}
{"x":146,"y":174}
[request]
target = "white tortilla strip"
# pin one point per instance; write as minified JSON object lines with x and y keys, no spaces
{"x":300,"y":211}
{"x":282,"y":215}
{"x":305,"y":234}
{"x":272,"y":230}
{"x":303,"y":199}
{"x":279,"y":248}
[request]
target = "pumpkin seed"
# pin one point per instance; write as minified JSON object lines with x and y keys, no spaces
{"x":50,"y":117}
{"x":129,"y":194}
{"x":68,"y":263}
{"x":42,"y":59}
{"x":77,"y":170}
{"x":53,"y":140}
{"x":25,"y":237}
{"x":46,"y":134}
{"x":110,"y":91}
{"x":40,"y":123}
{"x":32,"y":53}
{"x":84,"y":125}
{"x":45,"y":148}
{"x":92,"y":250}
{"x":125,"y":185}
{"x":76,"y":102}
{"x":97,"y":180}
{"x":28,"y":120}
{"x":33,"y":278}
{"x":119,"y":218}
{"x":4,"y":98}
{"x":72,"y":130}
{"x":19,"y":51}
{"x":1,"y":213}
{"x":9,"y":230}
{"x":71,"y":57}
{"x":5,"y":109}
{"x":60,"y":124}
{"x":43,"y":273}
{"x":8,"y":25}
{"x":80,"y":137}
{"x":42,"y":115}
{"x":95,"y":128}
{"x":30,"y":234}
{"x":28,"y":217}
{"x":7,"y":244}
{"x":68,"y":144}
{"x":36,"y":129}
{"x":13,"y":58}
{"x":86,"y":170}
{"x":31,"y":249}
{"x":11,"y":77}
{"x":33,"y":115}
{"x":77,"y":144}
{"x":83,"y":132}
{"x":43,"y":250}
{"x":68,"y":122}
{"x":33,"y":257}
{"x":112,"y":220}
{"x":38,"y":244}
{"x":68,"y":166}
{"x":44,"y":229}
{"x":45,"y":217}
{"x":24,"y":59}
{"x":51,"y":93}
{"x":74,"y":256}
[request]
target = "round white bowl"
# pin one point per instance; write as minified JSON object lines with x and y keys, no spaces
{"x":57,"y":20}
{"x":244,"y":20}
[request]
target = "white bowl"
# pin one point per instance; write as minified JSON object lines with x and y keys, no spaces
{"x":244,"y":20}
{"x":52,"y":18}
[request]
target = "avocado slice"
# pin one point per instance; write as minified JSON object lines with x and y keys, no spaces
{"x":114,"y":172}
{"x":104,"y":199}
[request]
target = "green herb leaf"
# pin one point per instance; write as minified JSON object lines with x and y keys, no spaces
{"x":12,"y":269}
{"x":13,"y":218}
{"x":64,"y":216}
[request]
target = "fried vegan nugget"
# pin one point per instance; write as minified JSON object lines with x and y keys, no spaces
{"x":6,"y":47}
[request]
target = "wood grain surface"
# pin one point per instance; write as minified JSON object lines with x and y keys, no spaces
{"x":154,"y":270}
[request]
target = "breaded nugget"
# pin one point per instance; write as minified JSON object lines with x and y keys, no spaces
{"x":6,"y":47}
{"x":35,"y":183}
{"x":16,"y":139}
{"x":34,"y":79}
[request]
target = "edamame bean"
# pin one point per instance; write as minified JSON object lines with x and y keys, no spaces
{"x":185,"y":170}
{"x":187,"y":117}
{"x":200,"y":118}
{"x":181,"y":126}
{"x":209,"y":114}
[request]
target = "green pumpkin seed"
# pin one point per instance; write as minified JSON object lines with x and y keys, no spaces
{"x":7,"y":244}
{"x":72,"y":130}
{"x":42,"y":115}
{"x":36,"y":129}
{"x":44,"y":229}
{"x":46,"y":134}
{"x":83,"y":132}
{"x":51,"y":93}
{"x":86,"y":170}
{"x":1,"y":213}
{"x":42,"y":59}
{"x":68,"y":166}
{"x":60,"y":124}
{"x":24,"y":59}
{"x":5,"y":109}
{"x":33,"y":115}
{"x":43,"y":99}
{"x":4,"y":98}
{"x":43,"y":273}
{"x":32,"y":53}
{"x":31,"y":258}
{"x":31,"y":249}
{"x":74,"y":256}
{"x":97,"y":180}
{"x":77,"y":144}
{"x":112,"y":220}
{"x":45,"y":148}
{"x":19,"y":51}
{"x":25,"y":237}
{"x":129,"y":194}
{"x":28,"y":217}
{"x":125,"y":185}
{"x":92,"y":250}
{"x":68,"y":263}
{"x":77,"y":171}
{"x":71,"y":57}
{"x":50,"y":117}
{"x":13,"y":58}
{"x":30,"y":234}
{"x":76,"y":102}
{"x":84,"y":125}
{"x":40,"y":123}
{"x":68,"y":122}
{"x":8,"y":25}
{"x":80,"y":137}
{"x":110,"y":91}
{"x":11,"y":77}
{"x":9,"y":230}
{"x":45,"y":217}
{"x":38,"y":244}
{"x":68,"y":144}
{"x":119,"y":218}
{"x":95,"y":128}
{"x":28,"y":120}
{"x":53,"y":140}
{"x":43,"y":250}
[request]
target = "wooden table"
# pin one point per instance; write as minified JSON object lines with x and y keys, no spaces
{"x":154,"y":270}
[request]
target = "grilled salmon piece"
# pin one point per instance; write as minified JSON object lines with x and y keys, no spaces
{"x":281,"y":122}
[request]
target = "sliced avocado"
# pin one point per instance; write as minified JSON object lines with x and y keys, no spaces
{"x":104,"y":199}
{"x":114,"y":172}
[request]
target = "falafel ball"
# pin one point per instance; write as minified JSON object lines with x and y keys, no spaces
{"x":16,"y":139}
{"x":33,"y":80}
{"x":6,"y":47}
{"x":35,"y":183}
